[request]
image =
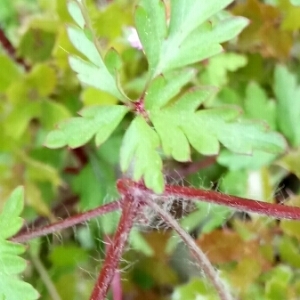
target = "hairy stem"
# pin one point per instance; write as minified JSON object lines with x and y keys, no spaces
{"x":69,"y":222}
{"x":277,"y":211}
{"x":201,"y":258}
{"x":116,"y":286}
{"x":116,"y":248}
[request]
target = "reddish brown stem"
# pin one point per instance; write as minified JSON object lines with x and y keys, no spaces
{"x":11,"y":51}
{"x":116,"y":248}
{"x":268,"y":209}
{"x":62,"y":210}
{"x":69,"y":222}
{"x":116,"y":286}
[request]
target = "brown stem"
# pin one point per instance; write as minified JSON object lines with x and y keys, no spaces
{"x":116,"y":248}
{"x":248,"y":205}
{"x":11,"y":51}
{"x":69,"y":222}
{"x":201,"y":258}
{"x":62,"y":210}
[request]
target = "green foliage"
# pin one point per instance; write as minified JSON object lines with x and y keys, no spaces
{"x":174,"y":123}
{"x":11,"y":286}
{"x":204,"y":84}
{"x":287,"y":92}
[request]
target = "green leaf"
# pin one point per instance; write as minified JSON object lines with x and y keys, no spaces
{"x":181,"y":124}
{"x":85,"y":46}
{"x":186,"y":16}
{"x":139,"y":243}
{"x":94,"y":72}
{"x":200,"y":44}
{"x":9,"y":72}
{"x":113,"y":61}
{"x":13,"y":264}
{"x":76,"y":13}
{"x":93,"y":76}
{"x":152,"y":29}
{"x":218,"y":67}
{"x":42,"y":79}
{"x":178,"y":125}
{"x":31,"y":41}
{"x":295,"y":2}
{"x":96,"y":120}
{"x":190,"y":39}
{"x":139,"y":151}
{"x":11,"y":287}
{"x":255,"y":161}
{"x":17,"y":122}
{"x":162,"y":89}
{"x":258,"y":106}
{"x":10,"y":222}
{"x":288,"y":113}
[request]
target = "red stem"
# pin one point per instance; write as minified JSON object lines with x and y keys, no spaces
{"x":116,"y":286}
{"x":116,"y":248}
{"x":69,"y":222}
{"x":248,"y":205}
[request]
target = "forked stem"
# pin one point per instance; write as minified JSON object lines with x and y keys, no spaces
{"x":116,"y":248}
{"x":201,"y":258}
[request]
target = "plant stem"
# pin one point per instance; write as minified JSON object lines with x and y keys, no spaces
{"x":11,"y":51}
{"x":277,"y":211}
{"x":201,"y":258}
{"x":69,"y":222}
{"x":116,"y":286}
{"x":116,"y":248}
{"x":45,"y":277}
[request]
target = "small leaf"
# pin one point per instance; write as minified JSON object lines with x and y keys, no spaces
{"x":91,"y":75}
{"x":99,"y":120}
{"x":218,"y":67}
{"x":13,"y":264}
{"x":113,"y":61}
{"x":258,"y":106}
{"x":85,"y":46}
{"x":151,"y":26}
{"x":288,"y":113}
{"x":11,"y":287}
{"x":163,"y":89}
{"x":76,"y":13}
{"x":139,"y":150}
{"x":11,"y":73}
{"x":10,"y":222}
{"x":187,"y":15}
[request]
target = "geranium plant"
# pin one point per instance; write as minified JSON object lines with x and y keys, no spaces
{"x":169,"y":115}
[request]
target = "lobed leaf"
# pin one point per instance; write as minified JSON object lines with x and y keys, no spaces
{"x":11,"y":287}
{"x":96,"y":120}
{"x":94,"y":72}
{"x":189,"y":37}
{"x":10,"y":223}
{"x":152,"y":29}
{"x":180,"y":124}
{"x":139,"y":151}
{"x":163,"y":89}
{"x":76,"y":13}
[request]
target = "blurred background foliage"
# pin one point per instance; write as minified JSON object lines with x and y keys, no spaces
{"x":258,"y":72}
